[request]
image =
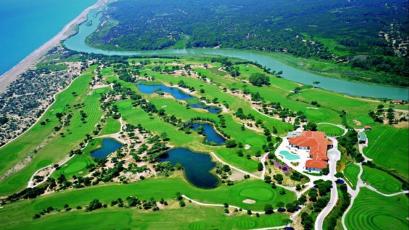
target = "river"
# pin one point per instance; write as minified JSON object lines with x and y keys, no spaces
{"x":27,"y":24}
{"x":77,"y":43}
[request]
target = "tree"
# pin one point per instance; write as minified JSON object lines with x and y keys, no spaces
{"x":267,"y":179}
{"x":279,"y":178}
{"x":306,"y":221}
{"x":311,"y":126}
{"x":260,"y":166}
{"x":259,"y":79}
{"x":94,"y":204}
{"x":231,"y":143}
{"x":268,"y":209}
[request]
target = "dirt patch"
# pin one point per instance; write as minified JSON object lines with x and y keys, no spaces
{"x":249,"y":201}
{"x":357,"y":123}
{"x":403,"y":124}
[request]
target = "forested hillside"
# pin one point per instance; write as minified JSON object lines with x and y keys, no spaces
{"x":367,"y":34}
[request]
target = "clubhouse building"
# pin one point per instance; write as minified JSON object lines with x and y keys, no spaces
{"x":314,"y":143}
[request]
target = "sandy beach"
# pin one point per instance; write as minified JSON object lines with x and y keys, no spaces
{"x":36,"y":55}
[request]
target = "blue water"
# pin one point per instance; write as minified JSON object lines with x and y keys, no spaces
{"x":196,"y":166}
{"x":176,"y":93}
{"x":210,"y":133}
{"x":154,"y":88}
{"x":27,"y":24}
{"x":210,"y":109}
{"x":108,"y":146}
{"x":289,"y":156}
{"x":77,"y":43}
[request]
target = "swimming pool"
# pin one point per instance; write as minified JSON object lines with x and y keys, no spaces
{"x":289,"y":156}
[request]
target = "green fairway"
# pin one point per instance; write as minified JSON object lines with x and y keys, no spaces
{"x":111,"y":126}
{"x":166,"y":188}
{"x":388,"y":147}
{"x":380,"y":180}
{"x":351,"y":173}
{"x":373,"y":211}
{"x":64,"y":141}
{"x":190,"y":217}
{"x":78,"y":164}
{"x":330,"y":130}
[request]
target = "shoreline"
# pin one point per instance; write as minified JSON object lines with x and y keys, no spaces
{"x":14,"y":73}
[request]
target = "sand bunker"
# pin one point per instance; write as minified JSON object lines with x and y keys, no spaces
{"x":249,"y":201}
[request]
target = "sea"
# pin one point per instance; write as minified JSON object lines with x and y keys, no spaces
{"x":27,"y":24}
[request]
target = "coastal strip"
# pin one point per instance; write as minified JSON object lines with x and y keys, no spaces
{"x":8,"y":77}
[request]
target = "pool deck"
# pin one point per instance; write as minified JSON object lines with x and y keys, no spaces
{"x":304,"y":155}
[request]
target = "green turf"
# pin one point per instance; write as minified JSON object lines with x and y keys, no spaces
{"x":190,"y":217}
{"x":166,"y":188}
{"x":380,"y":180}
{"x":388,"y":147}
{"x":330,"y":130}
{"x":351,"y":173}
{"x":78,"y":164}
{"x":111,"y":126}
{"x":373,"y":211}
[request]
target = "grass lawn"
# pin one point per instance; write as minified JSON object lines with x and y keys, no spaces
{"x":166,"y":188}
{"x":388,"y":147}
{"x":351,"y":173}
{"x":380,"y":180}
{"x":373,"y":211}
{"x":356,"y":108}
{"x":189,"y":217}
{"x":330,"y":130}
{"x":78,"y":164}
{"x":111,"y":126}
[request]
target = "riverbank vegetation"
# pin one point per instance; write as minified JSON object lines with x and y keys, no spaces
{"x":376,"y":47}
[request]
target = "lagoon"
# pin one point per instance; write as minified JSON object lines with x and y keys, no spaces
{"x":196,"y":166}
{"x":25,"y":25}
{"x":77,"y":43}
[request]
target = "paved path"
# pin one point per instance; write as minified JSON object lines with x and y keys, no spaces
{"x":293,"y":189}
{"x":233,"y":206}
{"x":334,"y":155}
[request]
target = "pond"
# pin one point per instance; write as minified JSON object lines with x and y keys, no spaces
{"x":155,"y":88}
{"x":77,"y":43}
{"x":212,"y":136}
{"x":196,"y":166}
{"x":177,"y":94}
{"x":108,"y":146}
{"x":209,"y":108}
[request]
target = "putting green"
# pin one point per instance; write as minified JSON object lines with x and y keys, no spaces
{"x":263,"y":194}
{"x":75,"y":167}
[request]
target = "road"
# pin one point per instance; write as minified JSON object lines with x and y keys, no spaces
{"x":334,"y":155}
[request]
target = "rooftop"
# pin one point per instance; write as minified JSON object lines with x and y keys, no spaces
{"x":317,"y":143}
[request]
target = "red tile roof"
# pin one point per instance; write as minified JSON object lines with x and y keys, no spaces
{"x":318,"y":145}
{"x":316,"y":164}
